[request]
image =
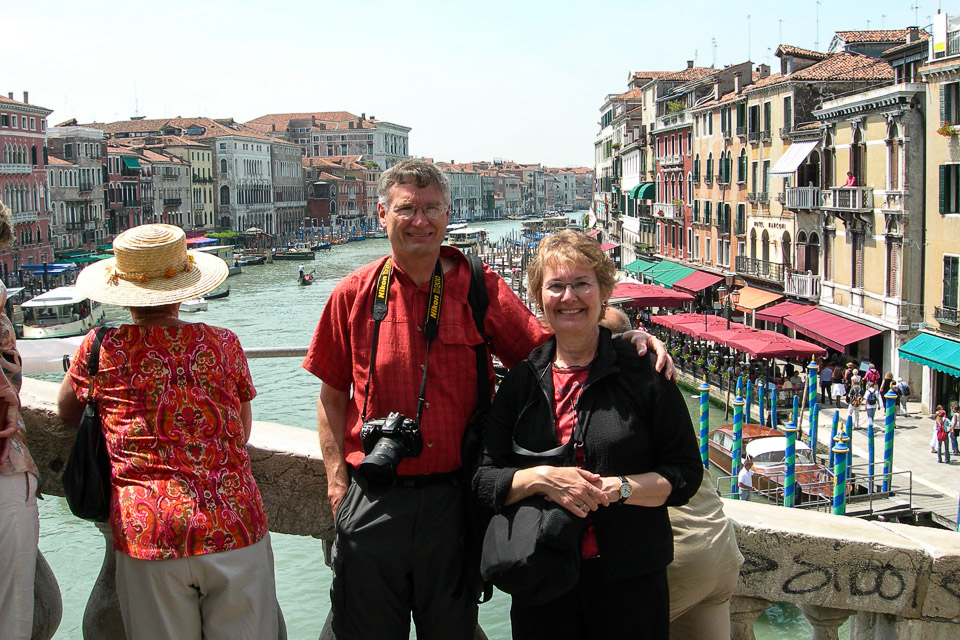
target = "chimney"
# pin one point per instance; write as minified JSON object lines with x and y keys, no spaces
{"x":763,"y":70}
{"x":10,"y":95}
{"x":689,"y":64}
{"x":363,"y":116}
{"x":913,"y":34}
{"x":26,"y":98}
{"x":738,"y":82}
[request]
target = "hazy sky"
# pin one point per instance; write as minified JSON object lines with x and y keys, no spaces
{"x":479,"y":80}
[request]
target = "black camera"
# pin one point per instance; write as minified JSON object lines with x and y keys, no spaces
{"x":387,"y":441}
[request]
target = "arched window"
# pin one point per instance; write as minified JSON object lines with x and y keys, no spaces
{"x":689,"y":187}
{"x":223,"y":165}
{"x":742,"y":166}
{"x":786,"y":249}
{"x":858,"y":157}
{"x":813,"y":254}
{"x":894,"y":148}
{"x":765,"y":246}
{"x":225,"y":195}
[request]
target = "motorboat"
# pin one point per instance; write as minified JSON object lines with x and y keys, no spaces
{"x":59,"y":313}
{"x":767,"y":447}
{"x":193,"y":306}
{"x":467,"y":239}
{"x":299,"y":252}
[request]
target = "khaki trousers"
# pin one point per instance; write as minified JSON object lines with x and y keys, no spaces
{"x":19,"y":534}
{"x":700,"y":607}
{"x":215,"y":596}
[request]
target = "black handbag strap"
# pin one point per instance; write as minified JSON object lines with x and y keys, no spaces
{"x":93,"y":363}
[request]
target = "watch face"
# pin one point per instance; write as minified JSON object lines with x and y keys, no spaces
{"x":625,"y":489}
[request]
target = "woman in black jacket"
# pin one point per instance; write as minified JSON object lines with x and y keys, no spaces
{"x":639,"y":452}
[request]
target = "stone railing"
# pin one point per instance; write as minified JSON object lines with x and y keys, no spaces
{"x":896,"y":581}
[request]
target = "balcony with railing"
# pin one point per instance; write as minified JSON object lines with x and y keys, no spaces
{"x":847,"y":199}
{"x":171,"y":203}
{"x":668,"y":211}
{"x":803,"y":198}
{"x":741,"y":130}
{"x":802,"y":284}
{"x":85,"y":187}
{"x":169,"y":175}
{"x":84,"y":224}
{"x":753,"y":136}
{"x":670,"y":161}
{"x":674,"y":120}
{"x":10,"y":168}
{"x":762,"y":269}
{"x":752,"y":197}
{"x":765,"y":135}
{"x":21,"y":217}
{"x":947,"y":316}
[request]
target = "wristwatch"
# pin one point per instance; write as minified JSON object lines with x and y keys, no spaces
{"x":625,"y":490}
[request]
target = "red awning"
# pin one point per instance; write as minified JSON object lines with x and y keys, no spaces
{"x":777,"y":312}
{"x":649,"y":295}
{"x":593,"y":233}
{"x":828,"y":329}
{"x":606,"y":246}
{"x":697,"y":281}
{"x":701,"y":323}
{"x":721,"y":334}
{"x":670,"y":321}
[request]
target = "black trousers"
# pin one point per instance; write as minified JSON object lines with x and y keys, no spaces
{"x":399,"y":551}
{"x":596,"y":609}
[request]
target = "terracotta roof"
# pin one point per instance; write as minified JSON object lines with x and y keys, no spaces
{"x":321,"y":116}
{"x":17,"y":103}
{"x":653,"y":75}
{"x":152,"y":156}
{"x":887,"y":35}
{"x":790,"y":50}
{"x":213,"y":128}
{"x":837,"y":67}
{"x":55,"y":161}
{"x":924,"y":36}
{"x":689,"y":74}
{"x":632,"y":94}
{"x":118,"y":150}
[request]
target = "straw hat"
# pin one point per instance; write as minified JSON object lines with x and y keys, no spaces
{"x":151,"y":267}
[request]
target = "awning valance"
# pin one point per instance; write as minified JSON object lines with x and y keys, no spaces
{"x":666,"y":273}
{"x":643,"y":191}
{"x":779,"y":311}
{"x":131,"y":163}
{"x":752,"y":298}
{"x":639,"y":265}
{"x":697,"y":281}
{"x":606,"y":246}
{"x":935,"y":352}
{"x":593,"y":233}
{"x":828,"y":329}
{"x":790,"y":160}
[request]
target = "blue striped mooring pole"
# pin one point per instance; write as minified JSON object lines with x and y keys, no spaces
{"x":737,"y":447}
{"x":790,"y":477}
{"x":704,"y":423}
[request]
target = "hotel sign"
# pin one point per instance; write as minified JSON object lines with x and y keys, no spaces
{"x":760,"y":224}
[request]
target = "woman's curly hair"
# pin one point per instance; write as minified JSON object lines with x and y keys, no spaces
{"x":6,"y":225}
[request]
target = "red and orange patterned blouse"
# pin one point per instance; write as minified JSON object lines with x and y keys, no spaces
{"x":169,"y":399}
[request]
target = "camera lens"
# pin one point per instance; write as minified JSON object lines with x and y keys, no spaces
{"x":381,"y":463}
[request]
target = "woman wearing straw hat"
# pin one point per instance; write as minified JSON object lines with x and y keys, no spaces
{"x":190,"y":532}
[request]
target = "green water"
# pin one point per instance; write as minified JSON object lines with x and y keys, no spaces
{"x":266,"y":308}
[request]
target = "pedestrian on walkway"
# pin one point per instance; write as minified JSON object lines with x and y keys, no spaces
{"x":954,"y":428}
{"x":943,"y":425}
{"x":838,"y":388}
{"x":887,"y":383}
{"x":854,"y":400}
{"x":902,"y":390}
{"x":871,"y":401}
{"x":825,"y":381}
{"x":937,"y":413}
{"x":872,"y":375}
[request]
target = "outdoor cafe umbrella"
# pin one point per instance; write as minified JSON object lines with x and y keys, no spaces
{"x":721,"y":334}
{"x":670,"y":321}
{"x":648,"y":295}
{"x":775,"y":345}
{"x":696,"y":326}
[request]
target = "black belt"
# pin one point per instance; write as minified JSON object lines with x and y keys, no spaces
{"x":413,"y":482}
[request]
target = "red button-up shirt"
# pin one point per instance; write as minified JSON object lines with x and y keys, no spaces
{"x":340,"y":355}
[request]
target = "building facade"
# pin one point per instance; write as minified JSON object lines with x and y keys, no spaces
{"x":75,"y":171}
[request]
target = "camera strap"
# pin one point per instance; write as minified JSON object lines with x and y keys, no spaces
{"x":431,"y":326}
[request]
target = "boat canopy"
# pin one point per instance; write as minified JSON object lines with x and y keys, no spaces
{"x":56,"y":297}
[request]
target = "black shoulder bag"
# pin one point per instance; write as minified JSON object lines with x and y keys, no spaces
{"x":86,"y":476}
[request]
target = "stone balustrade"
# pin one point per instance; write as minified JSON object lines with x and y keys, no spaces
{"x":891,"y":580}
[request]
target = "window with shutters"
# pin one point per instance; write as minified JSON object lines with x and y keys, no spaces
{"x":696,"y":169}
{"x":741,"y":119}
{"x":696,"y":211}
{"x":893,"y":268}
{"x":949,"y":188}
{"x":951,"y":280}
{"x":707,"y":210}
{"x":766,"y":117}
{"x":788,"y":113}
{"x":696,"y":247}
{"x":949,"y":102}
{"x":741,"y":220}
{"x":708,"y":178}
{"x":742,"y":167}
{"x":856,"y":248}
{"x":828,"y":239}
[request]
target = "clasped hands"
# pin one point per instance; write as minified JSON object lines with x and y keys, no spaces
{"x":577,"y":490}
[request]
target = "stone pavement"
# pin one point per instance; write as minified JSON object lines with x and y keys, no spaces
{"x":936,"y":487}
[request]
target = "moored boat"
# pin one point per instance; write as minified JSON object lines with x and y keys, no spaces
{"x":215,"y":295}
{"x":767,"y":448}
{"x":293,"y":254}
{"x":59,"y":313}
{"x":192,"y":306}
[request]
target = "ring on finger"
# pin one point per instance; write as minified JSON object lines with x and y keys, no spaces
{"x":582,"y":506}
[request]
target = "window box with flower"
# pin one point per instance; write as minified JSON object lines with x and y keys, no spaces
{"x":947,"y":130}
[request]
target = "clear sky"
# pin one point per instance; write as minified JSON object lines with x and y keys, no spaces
{"x":478,"y":80}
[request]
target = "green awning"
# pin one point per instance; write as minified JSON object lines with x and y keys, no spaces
{"x":89,"y":259}
{"x":666,"y":273}
{"x":643,"y":191}
{"x":935,"y":352}
{"x":639,"y":265}
{"x":131,"y":163}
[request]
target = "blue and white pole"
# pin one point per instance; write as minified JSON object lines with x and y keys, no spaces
{"x":761,"y":402}
{"x":840,"y":452}
{"x":848,"y":433}
{"x":813,"y":375}
{"x":834,"y":428}
{"x":790,"y":477}
{"x":889,"y":425}
{"x":870,"y":455}
{"x":736,"y":451}
{"x":748,"y":401}
{"x":796,"y":410}
{"x":812,"y":435}
{"x":704,"y":424}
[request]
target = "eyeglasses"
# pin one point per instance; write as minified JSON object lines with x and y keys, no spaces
{"x":581,"y":287}
{"x":432,"y":211}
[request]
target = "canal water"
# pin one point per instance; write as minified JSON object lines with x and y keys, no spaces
{"x":266,"y":308}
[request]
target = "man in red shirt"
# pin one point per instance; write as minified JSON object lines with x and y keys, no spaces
{"x":400,"y":537}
